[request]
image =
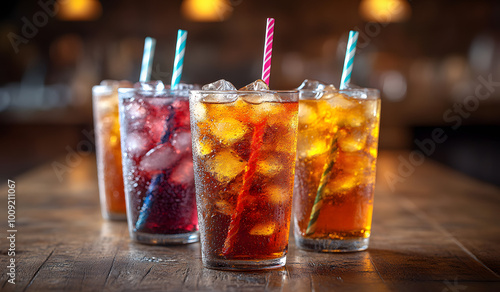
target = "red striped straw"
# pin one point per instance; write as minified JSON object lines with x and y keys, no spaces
{"x":268,"y":51}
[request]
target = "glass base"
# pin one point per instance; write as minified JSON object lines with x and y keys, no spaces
{"x":244,"y":265}
{"x":114,"y":216}
{"x":165,"y":239}
{"x":332,"y":245}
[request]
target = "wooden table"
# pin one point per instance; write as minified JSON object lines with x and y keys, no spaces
{"x":436,"y":231}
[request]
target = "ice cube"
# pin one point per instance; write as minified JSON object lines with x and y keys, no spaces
{"x":341,"y":183}
{"x":255,"y":86}
{"x":354,"y":120}
{"x":354,"y":168}
{"x":186,"y":87}
{"x":219,"y":98}
{"x":135,"y":144}
{"x":199,"y":111}
{"x":157,"y":127}
{"x":276,"y":194}
{"x":135,"y":111}
{"x":181,"y":108}
{"x":371,"y":108}
{"x":224,"y":208}
{"x":160,"y":157}
{"x":307,"y":113}
{"x":228,"y":130}
{"x":225,"y":165}
{"x":183,"y":174}
{"x":156,"y":85}
{"x":204,"y":147}
{"x":260,"y":98}
{"x":311,"y":89}
{"x":182,"y":141}
{"x":107,"y":104}
{"x":341,"y":101}
{"x":352,"y":86}
{"x":271,"y":166}
{"x":310,"y":84}
{"x":353,"y":141}
{"x":219,"y":85}
{"x":263,"y":229}
{"x":309,"y":147}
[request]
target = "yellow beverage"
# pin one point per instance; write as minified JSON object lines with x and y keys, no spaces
{"x":335,"y":170}
{"x":109,"y":159}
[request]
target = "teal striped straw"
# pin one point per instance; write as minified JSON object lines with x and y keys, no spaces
{"x":180,"y":48}
{"x":349,"y":59}
{"x":147,"y":59}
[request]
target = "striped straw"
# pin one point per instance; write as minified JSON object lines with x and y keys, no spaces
{"x":325,"y":178}
{"x":180,"y":48}
{"x":349,"y":59}
{"x":147,"y":59}
{"x":268,"y":51}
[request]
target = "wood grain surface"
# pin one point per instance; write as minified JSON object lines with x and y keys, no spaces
{"x":437,"y":230}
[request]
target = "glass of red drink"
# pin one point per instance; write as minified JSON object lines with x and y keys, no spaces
{"x":158,"y":164}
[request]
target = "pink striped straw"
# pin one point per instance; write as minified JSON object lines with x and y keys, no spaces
{"x":268,"y":51}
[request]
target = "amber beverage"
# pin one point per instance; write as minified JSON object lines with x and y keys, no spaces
{"x":335,"y":170}
{"x":244,"y":148}
{"x":109,"y":159}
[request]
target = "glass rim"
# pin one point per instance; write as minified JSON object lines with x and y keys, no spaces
{"x":129,"y":89}
{"x":363,"y":89}
{"x":100,"y":89}
{"x":239,"y":92}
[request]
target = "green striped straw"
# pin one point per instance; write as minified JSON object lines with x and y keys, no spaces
{"x":349,"y":59}
{"x":326,"y":176}
{"x":147,"y":59}
{"x":180,"y":48}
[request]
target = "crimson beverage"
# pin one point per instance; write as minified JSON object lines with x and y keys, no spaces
{"x":158,"y":164}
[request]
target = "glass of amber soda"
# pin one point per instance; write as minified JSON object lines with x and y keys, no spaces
{"x":109,"y":158}
{"x":335,"y":169}
{"x":244,"y":148}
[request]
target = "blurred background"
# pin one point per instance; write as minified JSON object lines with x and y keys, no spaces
{"x":437,"y":64}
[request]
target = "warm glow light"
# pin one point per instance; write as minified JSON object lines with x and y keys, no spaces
{"x":385,"y":10}
{"x":206,"y":10}
{"x":78,"y":10}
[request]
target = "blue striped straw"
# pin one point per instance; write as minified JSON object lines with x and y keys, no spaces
{"x":180,"y":48}
{"x":349,"y":59}
{"x":147,"y":59}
